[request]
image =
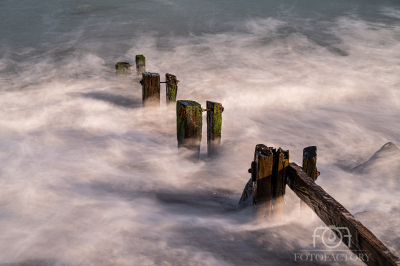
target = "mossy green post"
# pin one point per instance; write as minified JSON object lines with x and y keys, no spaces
{"x":172,"y":88}
{"x":189,"y":118}
{"x":150,"y":89}
{"x":140,"y":64}
{"x":123,"y":68}
{"x":214,"y":127}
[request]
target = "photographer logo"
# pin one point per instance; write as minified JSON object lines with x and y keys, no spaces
{"x":332,"y":236}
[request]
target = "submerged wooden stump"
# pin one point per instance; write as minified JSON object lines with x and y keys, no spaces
{"x":281,"y":161}
{"x":214,"y":126}
{"x":140,"y":64}
{"x":310,"y":168}
{"x":268,"y":173}
{"x":123,"y":68}
{"x":150,"y":89}
{"x":189,"y":128}
{"x":172,"y":88}
{"x":262,"y":183}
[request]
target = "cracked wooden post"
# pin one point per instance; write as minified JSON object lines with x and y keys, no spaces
{"x":172,"y":88}
{"x":140,"y":64}
{"x":262,"y":183}
{"x":269,"y":183}
{"x":150,"y":89}
{"x":214,"y":126}
{"x":123,"y":68}
{"x":310,"y":168}
{"x":189,"y":128}
{"x":281,"y":161}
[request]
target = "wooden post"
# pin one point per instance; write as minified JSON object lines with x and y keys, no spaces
{"x":268,"y":172}
{"x":310,"y":168}
{"x":262,"y":183}
{"x":123,"y":68}
{"x":172,"y":88}
{"x":189,"y":128}
{"x":150,"y":89}
{"x":281,"y":161}
{"x":214,"y":125}
{"x":140,"y":64}
{"x":354,"y":234}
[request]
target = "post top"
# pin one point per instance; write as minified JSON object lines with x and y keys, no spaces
{"x":122,"y":64}
{"x":150,"y":74}
{"x":140,"y":56}
{"x":189,"y":103}
{"x":309,"y":152}
{"x":213,"y":102}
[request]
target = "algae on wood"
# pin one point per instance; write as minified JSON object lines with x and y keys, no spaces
{"x":123,"y":68}
{"x":140,"y":64}
{"x":214,"y":127}
{"x":171,"y":88}
{"x":189,"y":127}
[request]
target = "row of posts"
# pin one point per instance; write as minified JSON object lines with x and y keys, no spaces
{"x":150,"y":82}
{"x":189,"y":117}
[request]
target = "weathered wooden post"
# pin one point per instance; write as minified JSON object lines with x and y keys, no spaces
{"x":310,"y":168}
{"x":150,"y":89}
{"x":140,"y":64}
{"x":269,"y":182}
{"x":262,"y":183}
{"x":189,"y":127}
{"x":172,"y":88}
{"x":122,"y":68}
{"x":214,"y":126}
{"x":281,"y":161}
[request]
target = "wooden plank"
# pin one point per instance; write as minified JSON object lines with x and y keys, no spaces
{"x":140,"y":64}
{"x":262,"y":183}
{"x":214,"y":127}
{"x":150,"y":89}
{"x":281,"y":160}
{"x":171,"y":88}
{"x":123,"y":68}
{"x":332,"y":213}
{"x":189,"y":118}
{"x":310,"y":168}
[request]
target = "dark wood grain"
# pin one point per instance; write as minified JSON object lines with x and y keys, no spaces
{"x":281,"y":161}
{"x":189,"y":127}
{"x":151,"y":89}
{"x":262,"y":186}
{"x":332,"y":213}
{"x":310,"y":168}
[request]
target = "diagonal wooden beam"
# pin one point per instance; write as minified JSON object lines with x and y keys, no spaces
{"x":332,"y":213}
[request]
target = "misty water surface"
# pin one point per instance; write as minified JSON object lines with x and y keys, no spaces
{"x":88,"y":177}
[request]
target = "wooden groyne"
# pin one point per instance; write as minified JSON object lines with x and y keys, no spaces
{"x":188,"y":112}
{"x":271,"y":172}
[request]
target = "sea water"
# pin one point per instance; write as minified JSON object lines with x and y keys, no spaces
{"x":89,"y":177}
